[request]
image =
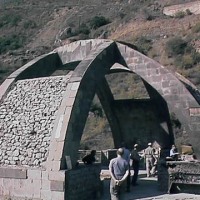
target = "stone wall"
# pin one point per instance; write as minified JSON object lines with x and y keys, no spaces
{"x":182,"y":173}
{"x":27,"y":116}
{"x":139,"y":126}
{"x":84,"y":183}
{"x":26,"y":183}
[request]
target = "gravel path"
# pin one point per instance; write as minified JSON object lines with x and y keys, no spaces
{"x":147,"y":190}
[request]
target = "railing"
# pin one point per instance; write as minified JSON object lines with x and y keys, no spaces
{"x":102,"y":157}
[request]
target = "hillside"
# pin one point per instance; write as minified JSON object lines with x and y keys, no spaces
{"x":31,"y":28}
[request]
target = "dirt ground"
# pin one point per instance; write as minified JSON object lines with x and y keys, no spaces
{"x":147,"y":190}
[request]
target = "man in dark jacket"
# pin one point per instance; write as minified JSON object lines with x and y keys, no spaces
{"x":90,"y":158}
{"x":135,"y":157}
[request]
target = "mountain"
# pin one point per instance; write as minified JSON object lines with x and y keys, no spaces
{"x":167,"y":31}
{"x":31,"y":28}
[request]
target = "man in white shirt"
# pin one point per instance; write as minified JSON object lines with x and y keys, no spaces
{"x":149,"y":158}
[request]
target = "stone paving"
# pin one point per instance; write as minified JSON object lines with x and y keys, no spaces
{"x":147,"y":190}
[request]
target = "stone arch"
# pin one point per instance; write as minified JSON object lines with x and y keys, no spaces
{"x":92,"y":60}
{"x":181,"y":98}
{"x":87,"y":79}
{"x":165,"y":137}
{"x":178,"y":98}
{"x":162,"y":85}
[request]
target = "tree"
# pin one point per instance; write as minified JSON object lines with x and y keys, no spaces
{"x":98,"y":21}
{"x":176,"y":46}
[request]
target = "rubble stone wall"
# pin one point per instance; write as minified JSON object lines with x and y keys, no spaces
{"x":27,"y":116}
{"x":84,"y":183}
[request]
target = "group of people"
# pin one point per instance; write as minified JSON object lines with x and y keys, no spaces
{"x":120,"y":167}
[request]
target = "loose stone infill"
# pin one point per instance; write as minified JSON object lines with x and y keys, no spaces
{"x":26,"y":120}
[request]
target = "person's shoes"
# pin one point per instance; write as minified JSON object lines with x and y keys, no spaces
{"x":148,"y":176}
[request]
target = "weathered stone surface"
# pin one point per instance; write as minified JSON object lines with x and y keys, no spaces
{"x":27,"y":115}
{"x":13,"y":173}
{"x":57,"y":185}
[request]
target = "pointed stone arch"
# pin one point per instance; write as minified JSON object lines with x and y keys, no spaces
{"x":169,"y":94}
{"x":162,"y":85}
{"x":176,"y":93}
{"x":178,"y":98}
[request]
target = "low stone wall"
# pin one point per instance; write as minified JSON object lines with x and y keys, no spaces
{"x":22,"y":183}
{"x":84,"y":183}
{"x":182,"y":173}
{"x":163,"y":176}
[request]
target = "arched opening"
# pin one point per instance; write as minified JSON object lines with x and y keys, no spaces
{"x":142,"y":114}
{"x":97,"y":132}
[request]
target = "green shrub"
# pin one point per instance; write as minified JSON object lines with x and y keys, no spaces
{"x":187,"y":61}
{"x":96,"y":109}
{"x":178,"y":61}
{"x":147,"y":14}
{"x":98,"y":21}
{"x":84,"y":29}
{"x":188,"y":12}
{"x":144,"y":44}
{"x":10,"y":43}
{"x":3,"y":69}
{"x":29,"y":24}
{"x":12,"y":20}
{"x":196,"y":57}
{"x":180,"y":14}
{"x":15,"y":20}
{"x":4,"y":20}
{"x":175,"y":46}
{"x":122,"y":15}
{"x":189,"y":48}
{"x":196,"y":28}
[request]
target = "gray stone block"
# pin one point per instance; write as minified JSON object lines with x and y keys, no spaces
{"x":57,"y":185}
{"x":13,"y":173}
{"x":34,"y":174}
